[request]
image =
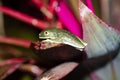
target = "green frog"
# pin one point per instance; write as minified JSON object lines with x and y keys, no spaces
{"x":57,"y":35}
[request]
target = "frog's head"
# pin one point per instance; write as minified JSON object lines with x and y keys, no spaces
{"x":48,"y":34}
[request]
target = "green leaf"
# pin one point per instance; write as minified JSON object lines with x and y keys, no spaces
{"x":101,"y":39}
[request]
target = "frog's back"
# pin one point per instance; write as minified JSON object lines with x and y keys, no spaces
{"x":73,"y":40}
{"x":67,"y":38}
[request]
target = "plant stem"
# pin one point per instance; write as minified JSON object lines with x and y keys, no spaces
{"x":14,"y":41}
{"x":24,"y":17}
{"x":12,"y":61}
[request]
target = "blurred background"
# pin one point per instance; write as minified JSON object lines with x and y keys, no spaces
{"x":107,"y":10}
{"x":24,"y":19}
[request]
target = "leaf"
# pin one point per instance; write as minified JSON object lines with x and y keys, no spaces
{"x":9,"y":66}
{"x":59,"y":71}
{"x":51,"y":54}
{"x":101,"y":39}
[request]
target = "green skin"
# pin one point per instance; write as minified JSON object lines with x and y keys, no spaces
{"x":62,"y":36}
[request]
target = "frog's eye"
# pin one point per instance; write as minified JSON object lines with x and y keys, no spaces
{"x":46,"y":32}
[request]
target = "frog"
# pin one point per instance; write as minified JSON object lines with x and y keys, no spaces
{"x":57,"y":35}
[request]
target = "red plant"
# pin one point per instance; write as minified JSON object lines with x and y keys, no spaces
{"x":66,"y":20}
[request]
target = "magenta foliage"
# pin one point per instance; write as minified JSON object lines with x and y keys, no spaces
{"x":69,"y":19}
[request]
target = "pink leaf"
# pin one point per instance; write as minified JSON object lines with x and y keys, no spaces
{"x":9,"y":66}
